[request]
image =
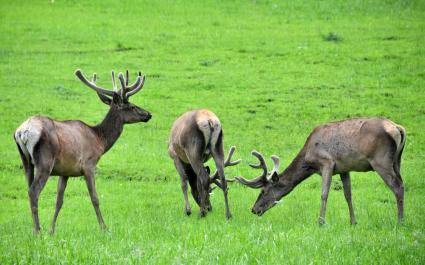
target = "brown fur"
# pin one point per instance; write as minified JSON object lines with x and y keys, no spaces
{"x":360,"y":144}
{"x":72,"y":148}
{"x":195,"y":137}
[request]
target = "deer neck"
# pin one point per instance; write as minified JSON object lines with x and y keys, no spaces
{"x":110,"y":129}
{"x":295,"y":173}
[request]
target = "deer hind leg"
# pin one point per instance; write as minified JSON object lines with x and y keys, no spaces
{"x":202,"y":184}
{"x":346,"y":182}
{"x":91,"y":186}
{"x":43,"y":165}
{"x":193,"y":182}
{"x":218,"y":155}
{"x":326,"y":172}
{"x":183,"y":180}
{"x":393,"y":180}
{"x":40,"y":180}
{"x":59,"y":200}
{"x":27,"y":165}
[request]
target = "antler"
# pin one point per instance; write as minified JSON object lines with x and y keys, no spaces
{"x":92,"y":85}
{"x":261,"y":180}
{"x":114,"y":84}
{"x":125,"y":92}
{"x":276,"y":163}
{"x":227,"y":163}
{"x":137,"y":86}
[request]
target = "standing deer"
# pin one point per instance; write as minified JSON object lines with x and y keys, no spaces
{"x":195,"y":137}
{"x":360,"y":144}
{"x":72,"y":148}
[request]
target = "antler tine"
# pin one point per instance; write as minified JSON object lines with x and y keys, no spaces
{"x":276,"y":164}
{"x":137,"y":86}
{"x":123,"y":87}
{"x":114,"y":84}
{"x":91,"y":85}
{"x":259,"y":181}
{"x":262,"y":164}
{"x":227,"y":163}
{"x":126,"y":77}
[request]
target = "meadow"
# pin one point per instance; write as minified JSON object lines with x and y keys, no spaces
{"x":270,"y":70}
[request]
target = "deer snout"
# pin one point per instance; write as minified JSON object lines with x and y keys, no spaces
{"x":147,"y":117}
{"x":257,"y":212}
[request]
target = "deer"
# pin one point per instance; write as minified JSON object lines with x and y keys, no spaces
{"x":195,"y":137}
{"x":358,"y":144}
{"x":71,"y":148}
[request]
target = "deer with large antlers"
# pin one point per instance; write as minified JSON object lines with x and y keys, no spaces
{"x":360,"y":144}
{"x":72,"y":148}
{"x":196,"y":136}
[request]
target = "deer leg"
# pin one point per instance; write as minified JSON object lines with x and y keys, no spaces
{"x":40,"y":180}
{"x":203,"y":179}
{"x":59,"y":200}
{"x":218,"y":156}
{"x":183,"y":181}
{"x":202,"y":185}
{"x":326,"y":172}
{"x":346,"y":182}
{"x":28,"y":167}
{"x":394,"y":182}
{"x":90,"y":181}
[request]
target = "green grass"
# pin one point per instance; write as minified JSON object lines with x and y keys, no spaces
{"x":270,"y":70}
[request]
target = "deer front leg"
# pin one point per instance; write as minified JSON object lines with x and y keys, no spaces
{"x":326,"y":172}
{"x":90,"y":181}
{"x":59,"y":200}
{"x":346,"y":183}
{"x":183,"y":182}
{"x":219,"y":162}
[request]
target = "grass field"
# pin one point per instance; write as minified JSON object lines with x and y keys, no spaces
{"x":270,"y":70}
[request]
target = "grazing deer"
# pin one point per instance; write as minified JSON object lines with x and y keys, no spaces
{"x":360,"y":144}
{"x":72,"y":148}
{"x":195,"y":137}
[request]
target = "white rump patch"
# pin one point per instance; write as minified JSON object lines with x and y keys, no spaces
{"x":392,"y":130}
{"x":204,"y":126}
{"x":216,"y":132}
{"x":28,"y":135}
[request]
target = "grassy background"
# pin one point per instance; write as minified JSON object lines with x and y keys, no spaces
{"x":270,"y":70}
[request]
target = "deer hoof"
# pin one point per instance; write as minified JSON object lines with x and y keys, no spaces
{"x":104,"y":228}
{"x":322,"y":221}
{"x":188,"y":212}
{"x":202,"y":213}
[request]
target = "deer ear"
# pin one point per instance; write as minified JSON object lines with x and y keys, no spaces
{"x":275,"y":177}
{"x":104,"y":99}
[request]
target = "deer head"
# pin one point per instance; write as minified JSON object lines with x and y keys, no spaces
{"x":118,"y":99}
{"x":272,"y":190}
